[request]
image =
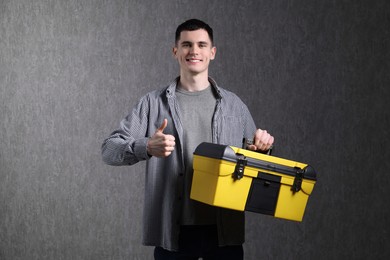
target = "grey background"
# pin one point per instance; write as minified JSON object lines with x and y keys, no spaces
{"x":314,"y":73}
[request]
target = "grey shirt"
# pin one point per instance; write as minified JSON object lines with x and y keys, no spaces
{"x":196,"y":115}
{"x":164,"y":179}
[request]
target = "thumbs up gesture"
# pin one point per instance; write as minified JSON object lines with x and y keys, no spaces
{"x":160,"y":144}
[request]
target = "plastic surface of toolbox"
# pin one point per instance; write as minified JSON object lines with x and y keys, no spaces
{"x":239,"y":179}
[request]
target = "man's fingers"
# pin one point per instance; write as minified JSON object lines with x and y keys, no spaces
{"x":168,"y":141}
{"x":160,"y":144}
{"x":163,"y":126}
{"x":262,"y":140}
{"x":259,"y":136}
{"x":165,"y":148}
{"x":271,"y":141}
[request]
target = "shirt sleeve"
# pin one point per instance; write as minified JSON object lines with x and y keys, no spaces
{"x":249,"y":124}
{"x":128,"y":144}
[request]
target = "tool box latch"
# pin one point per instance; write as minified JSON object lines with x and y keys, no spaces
{"x":240,"y":166}
{"x":297,"y":180}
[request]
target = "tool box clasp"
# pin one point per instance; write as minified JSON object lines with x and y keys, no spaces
{"x":298,"y":179}
{"x":240,"y":166}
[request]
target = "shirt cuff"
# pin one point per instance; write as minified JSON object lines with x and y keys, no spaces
{"x":140,"y":148}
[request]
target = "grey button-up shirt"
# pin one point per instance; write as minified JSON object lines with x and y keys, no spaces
{"x":164,"y":180}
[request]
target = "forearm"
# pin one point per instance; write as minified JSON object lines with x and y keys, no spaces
{"x":119,"y":150}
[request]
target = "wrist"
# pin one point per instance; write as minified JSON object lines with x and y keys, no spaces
{"x":148,"y":152}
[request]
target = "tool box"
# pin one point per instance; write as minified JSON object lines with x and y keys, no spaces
{"x":244,"y":180}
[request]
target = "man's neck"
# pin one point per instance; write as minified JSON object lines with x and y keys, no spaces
{"x":194,"y":82}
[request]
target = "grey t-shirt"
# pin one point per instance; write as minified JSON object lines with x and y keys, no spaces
{"x":196,"y":114}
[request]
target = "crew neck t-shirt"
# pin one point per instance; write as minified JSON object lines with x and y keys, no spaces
{"x":196,"y":114}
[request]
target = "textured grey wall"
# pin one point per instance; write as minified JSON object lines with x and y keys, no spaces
{"x":314,"y":73}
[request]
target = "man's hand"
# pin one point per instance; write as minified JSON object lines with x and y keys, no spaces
{"x":160,"y":144}
{"x":262,"y":141}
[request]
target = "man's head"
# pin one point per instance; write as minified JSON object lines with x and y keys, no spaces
{"x":194,"y":48}
{"x":193,"y":25}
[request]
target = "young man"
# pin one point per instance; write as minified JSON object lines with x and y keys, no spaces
{"x":164,"y":129}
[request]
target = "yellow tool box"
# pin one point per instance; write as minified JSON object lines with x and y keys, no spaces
{"x":240,"y":179}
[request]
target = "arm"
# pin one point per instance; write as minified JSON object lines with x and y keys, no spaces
{"x":128,"y":144}
{"x":262,"y":141}
{"x":131,"y":142}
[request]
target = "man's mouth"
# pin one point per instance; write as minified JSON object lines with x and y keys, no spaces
{"x":193,"y":60}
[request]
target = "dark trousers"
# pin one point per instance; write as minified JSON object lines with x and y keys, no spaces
{"x":200,"y":242}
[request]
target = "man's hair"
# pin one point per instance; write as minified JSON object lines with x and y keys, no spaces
{"x":193,"y":25}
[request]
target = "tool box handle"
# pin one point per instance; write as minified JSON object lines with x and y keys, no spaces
{"x":247,"y":141}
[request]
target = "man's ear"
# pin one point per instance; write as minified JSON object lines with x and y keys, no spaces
{"x":213,"y":52}
{"x":174,"y":51}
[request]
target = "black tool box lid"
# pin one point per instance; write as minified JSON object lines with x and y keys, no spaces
{"x":225,"y":152}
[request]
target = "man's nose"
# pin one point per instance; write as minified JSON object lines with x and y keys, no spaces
{"x":194,"y":49}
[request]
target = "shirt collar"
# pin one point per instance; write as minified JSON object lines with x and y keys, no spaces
{"x":170,"y":91}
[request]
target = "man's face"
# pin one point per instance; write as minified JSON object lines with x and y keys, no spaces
{"x":194,"y":52}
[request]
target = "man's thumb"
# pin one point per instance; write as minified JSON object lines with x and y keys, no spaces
{"x":163,"y":125}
